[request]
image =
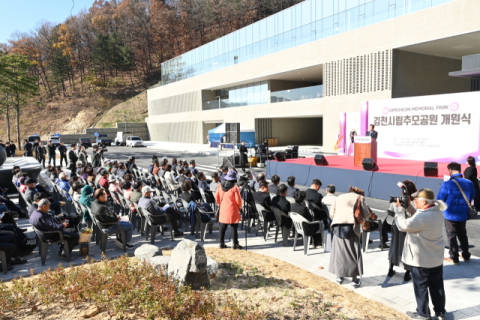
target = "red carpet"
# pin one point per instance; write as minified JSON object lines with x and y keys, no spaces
{"x":392,"y":166}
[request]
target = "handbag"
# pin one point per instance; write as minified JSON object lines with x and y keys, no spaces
{"x":472,"y":212}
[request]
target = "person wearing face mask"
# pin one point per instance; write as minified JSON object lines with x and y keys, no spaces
{"x":423,"y":251}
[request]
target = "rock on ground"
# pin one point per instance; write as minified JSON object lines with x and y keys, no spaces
{"x":161,"y":263}
{"x":147,"y":251}
{"x":188,"y":264}
{"x":212,"y":267}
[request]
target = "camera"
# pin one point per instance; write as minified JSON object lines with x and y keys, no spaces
{"x":403,"y":200}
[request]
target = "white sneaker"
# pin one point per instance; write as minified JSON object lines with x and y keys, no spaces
{"x":356,"y":284}
{"x":340,"y":280}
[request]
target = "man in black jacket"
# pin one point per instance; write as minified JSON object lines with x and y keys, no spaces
{"x":42,"y":221}
{"x":291,"y":186}
{"x":262,"y":197}
{"x":9,"y":150}
{"x":181,"y":176}
{"x":28,"y":148}
{"x":243,"y":155}
{"x":148,"y":204}
{"x":14,"y":147}
{"x":51,"y":153}
{"x":72,"y":158}
{"x":63,"y":154}
{"x":312,"y":193}
{"x":96,"y":157}
{"x":41,"y":152}
{"x":280,"y":201}
{"x":273,"y":187}
{"x":35,"y":148}
{"x":107,"y":218}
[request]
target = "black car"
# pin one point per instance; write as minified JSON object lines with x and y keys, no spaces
{"x":86,"y":142}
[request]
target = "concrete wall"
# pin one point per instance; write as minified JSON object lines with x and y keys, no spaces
{"x":416,"y":74}
{"x":297,"y":131}
{"x":137,"y":128}
{"x":186,"y":131}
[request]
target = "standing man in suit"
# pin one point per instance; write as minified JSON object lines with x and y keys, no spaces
{"x":371,"y":132}
{"x":273,"y":187}
{"x":63,"y":154}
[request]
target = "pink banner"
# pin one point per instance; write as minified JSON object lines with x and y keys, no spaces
{"x":340,"y":143}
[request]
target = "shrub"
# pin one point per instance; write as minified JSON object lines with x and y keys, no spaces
{"x":119,"y":287}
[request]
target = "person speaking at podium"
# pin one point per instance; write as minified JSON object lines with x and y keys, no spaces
{"x":372,"y":133}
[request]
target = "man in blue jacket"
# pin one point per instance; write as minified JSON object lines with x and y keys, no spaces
{"x":456,"y":214}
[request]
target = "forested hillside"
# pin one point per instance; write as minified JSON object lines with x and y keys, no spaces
{"x":108,"y":54}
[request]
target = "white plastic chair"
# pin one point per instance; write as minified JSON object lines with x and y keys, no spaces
{"x":298,"y":221}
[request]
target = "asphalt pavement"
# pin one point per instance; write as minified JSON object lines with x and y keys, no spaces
{"x":209,"y":164}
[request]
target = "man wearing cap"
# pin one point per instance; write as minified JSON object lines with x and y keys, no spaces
{"x":423,"y":251}
{"x":63,"y":153}
{"x":456,"y":215}
{"x":51,"y":153}
{"x":72,"y":158}
{"x":148,"y":204}
{"x":42,"y":221}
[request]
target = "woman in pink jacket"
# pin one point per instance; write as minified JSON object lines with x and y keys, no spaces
{"x":229,"y":199}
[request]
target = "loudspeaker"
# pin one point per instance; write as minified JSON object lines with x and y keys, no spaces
{"x":430,"y":169}
{"x":320,"y":160}
{"x":230,"y":161}
{"x":280,"y":156}
{"x":369,"y":164}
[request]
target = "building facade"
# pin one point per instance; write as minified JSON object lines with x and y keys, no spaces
{"x":290,"y":75}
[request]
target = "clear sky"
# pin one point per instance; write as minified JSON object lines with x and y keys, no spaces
{"x":23,"y":15}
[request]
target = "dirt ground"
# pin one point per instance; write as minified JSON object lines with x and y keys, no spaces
{"x":280,"y":290}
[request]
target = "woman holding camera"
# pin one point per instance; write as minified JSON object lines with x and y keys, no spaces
{"x":398,"y":238}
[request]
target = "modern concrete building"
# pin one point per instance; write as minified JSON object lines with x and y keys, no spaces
{"x":290,"y":75}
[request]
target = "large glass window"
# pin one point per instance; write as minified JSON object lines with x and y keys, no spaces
{"x":307,"y":21}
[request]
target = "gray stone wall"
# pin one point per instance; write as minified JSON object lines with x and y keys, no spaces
{"x":137,"y":128}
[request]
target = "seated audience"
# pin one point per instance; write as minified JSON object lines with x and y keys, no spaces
{"x":121,"y":170}
{"x":300,"y":208}
{"x":273,"y":187}
{"x":147,"y":203}
{"x":77,"y":190}
{"x":42,"y":221}
{"x":260,"y":177}
{"x":281,"y":201}
{"x":106,"y":217}
{"x":215,"y":182}
{"x":86,"y":199}
{"x":104,"y":181}
{"x":193,"y":168}
{"x":330,"y":198}
{"x":170,"y":178}
{"x":137,"y":192}
{"x":291,"y":187}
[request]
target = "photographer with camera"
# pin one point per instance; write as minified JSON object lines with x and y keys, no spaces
{"x":423,"y":251}
{"x":97,"y":156}
{"x":398,"y":238}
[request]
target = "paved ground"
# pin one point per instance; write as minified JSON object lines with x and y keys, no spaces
{"x":462,"y":282}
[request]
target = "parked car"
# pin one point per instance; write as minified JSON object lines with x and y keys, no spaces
{"x":31,"y":139}
{"x":86,"y":142}
{"x":103,"y":140}
{"x":134,"y":141}
{"x":55,"y":140}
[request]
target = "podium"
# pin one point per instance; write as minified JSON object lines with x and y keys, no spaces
{"x":364,"y":147}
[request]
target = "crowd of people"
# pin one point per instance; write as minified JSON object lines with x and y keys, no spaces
{"x":412,"y":232}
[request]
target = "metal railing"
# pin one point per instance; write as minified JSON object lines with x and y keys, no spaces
{"x":297,"y":94}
